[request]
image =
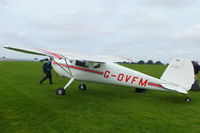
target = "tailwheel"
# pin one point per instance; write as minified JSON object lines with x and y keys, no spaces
{"x":187,"y":99}
{"x":60,"y":91}
{"x":82,"y":87}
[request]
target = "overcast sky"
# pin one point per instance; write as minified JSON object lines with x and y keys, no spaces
{"x":139,"y":29}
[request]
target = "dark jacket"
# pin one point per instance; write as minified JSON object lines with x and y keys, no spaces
{"x":47,"y":67}
{"x":196,"y":67}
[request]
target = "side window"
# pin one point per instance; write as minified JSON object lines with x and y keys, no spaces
{"x":81,"y":63}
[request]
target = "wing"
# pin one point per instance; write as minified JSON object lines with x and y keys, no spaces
{"x":63,"y":54}
{"x":34,"y":51}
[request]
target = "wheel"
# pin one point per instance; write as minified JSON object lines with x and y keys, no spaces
{"x":188,"y":99}
{"x":82,"y":87}
{"x":60,"y":91}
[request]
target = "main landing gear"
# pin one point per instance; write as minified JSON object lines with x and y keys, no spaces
{"x":187,"y":99}
{"x":61,"y":91}
{"x":82,"y":87}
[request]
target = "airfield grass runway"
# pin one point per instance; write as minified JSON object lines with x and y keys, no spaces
{"x":28,"y":107}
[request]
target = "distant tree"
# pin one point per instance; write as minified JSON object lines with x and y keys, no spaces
{"x":133,"y":63}
{"x":141,"y":62}
{"x":4,"y":57}
{"x":158,"y":63}
{"x":149,"y":62}
{"x":125,"y":62}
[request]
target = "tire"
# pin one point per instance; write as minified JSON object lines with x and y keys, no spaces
{"x":188,"y":100}
{"x":60,"y":91}
{"x":82,"y":87}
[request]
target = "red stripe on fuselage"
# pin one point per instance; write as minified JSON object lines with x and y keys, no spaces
{"x":79,"y":68}
{"x":153,"y":84}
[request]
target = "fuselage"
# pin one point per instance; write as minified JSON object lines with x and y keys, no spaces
{"x":108,"y":73}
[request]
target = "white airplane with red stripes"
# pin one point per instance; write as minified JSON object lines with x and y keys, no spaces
{"x":178,"y":77}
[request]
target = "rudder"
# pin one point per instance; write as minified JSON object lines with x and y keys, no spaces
{"x":180,"y":72}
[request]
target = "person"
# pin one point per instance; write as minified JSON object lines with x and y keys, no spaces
{"x":195,"y":86}
{"x":196,"y":69}
{"x":47,"y":70}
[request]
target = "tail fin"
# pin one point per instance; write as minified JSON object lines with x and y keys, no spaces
{"x":179,"y":75}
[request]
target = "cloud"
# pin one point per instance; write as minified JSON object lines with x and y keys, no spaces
{"x":191,"y":34}
{"x":168,"y":4}
{"x":151,"y":18}
{"x":11,"y":33}
{"x":3,"y":3}
{"x":141,"y":29}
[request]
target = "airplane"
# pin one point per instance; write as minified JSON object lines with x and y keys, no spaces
{"x":178,"y":76}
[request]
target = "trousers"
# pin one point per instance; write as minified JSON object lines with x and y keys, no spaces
{"x":48,"y":76}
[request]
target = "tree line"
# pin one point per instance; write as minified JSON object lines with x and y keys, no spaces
{"x":150,"y":62}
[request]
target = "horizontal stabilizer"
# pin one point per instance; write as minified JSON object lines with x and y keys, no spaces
{"x":174,"y":88}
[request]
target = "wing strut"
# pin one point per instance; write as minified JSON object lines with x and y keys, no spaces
{"x":69,"y":83}
{"x":68,"y":68}
{"x":70,"y":73}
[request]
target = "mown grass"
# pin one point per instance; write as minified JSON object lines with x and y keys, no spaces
{"x":28,"y":107}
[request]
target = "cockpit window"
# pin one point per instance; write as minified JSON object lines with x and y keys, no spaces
{"x":81,"y":63}
{"x":96,"y":65}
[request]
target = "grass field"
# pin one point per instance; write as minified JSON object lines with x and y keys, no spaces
{"x":28,"y":107}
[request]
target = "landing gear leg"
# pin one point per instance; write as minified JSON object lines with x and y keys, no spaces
{"x":61,"y":91}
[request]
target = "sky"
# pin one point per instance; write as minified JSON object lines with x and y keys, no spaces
{"x":157,"y":30}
